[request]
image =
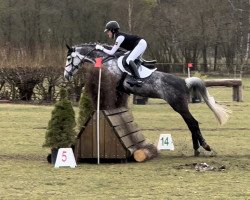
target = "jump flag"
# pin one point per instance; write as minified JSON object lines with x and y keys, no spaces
{"x":98,"y":62}
{"x":190,"y":65}
{"x":65,"y":158}
{"x":165,"y":142}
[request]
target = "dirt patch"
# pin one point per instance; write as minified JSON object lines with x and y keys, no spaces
{"x":201,"y":167}
{"x":22,"y":157}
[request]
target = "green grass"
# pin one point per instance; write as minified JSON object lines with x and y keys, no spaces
{"x":25,"y":173}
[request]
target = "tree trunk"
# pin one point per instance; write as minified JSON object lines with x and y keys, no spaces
{"x":204,"y":53}
{"x":215,"y":56}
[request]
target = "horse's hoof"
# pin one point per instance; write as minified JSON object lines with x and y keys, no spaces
{"x":206,"y":147}
{"x":196,"y":153}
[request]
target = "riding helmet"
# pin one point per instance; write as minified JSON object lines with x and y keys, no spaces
{"x":112,"y":26}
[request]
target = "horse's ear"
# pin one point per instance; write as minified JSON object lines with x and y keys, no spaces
{"x":68,"y":46}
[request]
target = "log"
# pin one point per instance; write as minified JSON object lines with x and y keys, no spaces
{"x":141,"y":155}
{"x":223,"y":82}
{"x":145,"y":153}
{"x":236,"y":85}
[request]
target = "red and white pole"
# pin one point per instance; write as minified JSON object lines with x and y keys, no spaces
{"x":189,"y":65}
{"x":98,"y":64}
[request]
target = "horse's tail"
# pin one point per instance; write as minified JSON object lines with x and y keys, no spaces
{"x":220,"y":111}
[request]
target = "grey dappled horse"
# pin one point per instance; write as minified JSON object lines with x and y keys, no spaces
{"x":174,"y":90}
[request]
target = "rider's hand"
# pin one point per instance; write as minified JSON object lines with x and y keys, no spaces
{"x":99,"y":47}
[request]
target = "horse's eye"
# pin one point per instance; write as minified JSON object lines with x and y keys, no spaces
{"x":68,"y":59}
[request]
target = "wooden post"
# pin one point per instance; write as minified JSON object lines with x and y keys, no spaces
{"x":140,"y":100}
{"x":237,"y":93}
{"x":236,"y":85}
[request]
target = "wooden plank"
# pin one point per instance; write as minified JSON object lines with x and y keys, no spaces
{"x":119,"y":119}
{"x":125,"y":129}
{"x":86,"y":142}
{"x":94,"y":142}
{"x":121,"y":152}
{"x":77,"y":149}
{"x":115,"y":111}
{"x":132,"y":139}
{"x":101,"y":136}
{"x":109,"y":142}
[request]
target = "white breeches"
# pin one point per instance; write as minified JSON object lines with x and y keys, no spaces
{"x":137,"y":51}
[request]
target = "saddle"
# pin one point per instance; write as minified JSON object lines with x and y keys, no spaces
{"x":145,"y":68}
{"x":140,"y":61}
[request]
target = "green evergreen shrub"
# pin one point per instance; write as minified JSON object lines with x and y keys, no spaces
{"x":85,"y":109}
{"x":60,"y":131}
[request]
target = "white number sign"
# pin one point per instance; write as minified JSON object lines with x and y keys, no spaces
{"x":65,"y":158}
{"x":165,"y":142}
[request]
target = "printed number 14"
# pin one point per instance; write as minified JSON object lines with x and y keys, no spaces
{"x":164,"y":141}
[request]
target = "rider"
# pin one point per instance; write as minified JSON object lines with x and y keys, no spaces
{"x":133,"y":43}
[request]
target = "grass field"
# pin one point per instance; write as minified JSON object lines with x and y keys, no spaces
{"x":25,"y":173}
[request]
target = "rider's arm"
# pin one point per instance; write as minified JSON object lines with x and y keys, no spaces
{"x":118,"y":42}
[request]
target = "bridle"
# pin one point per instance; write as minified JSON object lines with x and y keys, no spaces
{"x":82,"y":60}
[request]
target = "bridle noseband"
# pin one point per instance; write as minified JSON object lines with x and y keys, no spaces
{"x":82,"y":60}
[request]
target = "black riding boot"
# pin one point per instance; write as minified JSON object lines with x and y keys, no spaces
{"x":135,"y":79}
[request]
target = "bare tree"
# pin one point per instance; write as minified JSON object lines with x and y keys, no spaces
{"x":243,"y":17}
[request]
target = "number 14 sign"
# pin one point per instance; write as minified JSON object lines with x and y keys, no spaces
{"x":165,"y":142}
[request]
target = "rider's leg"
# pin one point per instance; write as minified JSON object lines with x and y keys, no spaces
{"x":135,"y":53}
{"x":133,"y":68}
{"x":119,"y":86}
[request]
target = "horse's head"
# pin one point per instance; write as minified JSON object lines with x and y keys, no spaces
{"x":80,"y":54}
{"x":76,"y":56}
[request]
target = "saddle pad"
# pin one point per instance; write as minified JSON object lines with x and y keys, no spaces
{"x":144,"y":72}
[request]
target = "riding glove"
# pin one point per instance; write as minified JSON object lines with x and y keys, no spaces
{"x":99,"y":47}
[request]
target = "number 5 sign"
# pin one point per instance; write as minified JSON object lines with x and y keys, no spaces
{"x":65,"y":158}
{"x":165,"y":142}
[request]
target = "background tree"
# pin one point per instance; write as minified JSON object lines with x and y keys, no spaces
{"x":214,"y":35}
{"x":85,"y":110}
{"x":60,"y":131}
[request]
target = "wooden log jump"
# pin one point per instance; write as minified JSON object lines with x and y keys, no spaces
{"x":236,"y":85}
{"x":120,"y":138}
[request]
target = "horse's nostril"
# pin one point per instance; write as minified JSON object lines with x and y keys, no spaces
{"x":67,"y":76}
{"x":70,"y":74}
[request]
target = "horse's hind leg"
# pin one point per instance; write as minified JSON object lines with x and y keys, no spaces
{"x":193,"y":126}
{"x":197,"y":138}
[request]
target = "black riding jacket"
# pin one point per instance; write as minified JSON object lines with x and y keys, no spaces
{"x":129,"y":42}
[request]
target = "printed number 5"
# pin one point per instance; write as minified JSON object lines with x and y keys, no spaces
{"x":64,"y":156}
